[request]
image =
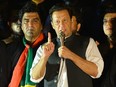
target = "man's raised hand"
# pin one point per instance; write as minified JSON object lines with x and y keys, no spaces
{"x":48,"y":47}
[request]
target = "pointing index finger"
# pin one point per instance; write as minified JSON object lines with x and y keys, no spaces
{"x":49,"y":37}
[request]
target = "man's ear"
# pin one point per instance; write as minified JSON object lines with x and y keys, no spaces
{"x":78,"y":26}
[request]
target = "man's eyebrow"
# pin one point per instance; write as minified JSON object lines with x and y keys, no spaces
{"x":37,"y":18}
{"x":25,"y":19}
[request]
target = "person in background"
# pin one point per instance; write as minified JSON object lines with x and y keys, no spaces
{"x":76,"y":21}
{"x":14,"y":27}
{"x":107,"y":48}
{"x":22,"y":52}
{"x":110,"y":77}
{"x":75,"y":26}
{"x":14,"y":23}
{"x":72,"y":62}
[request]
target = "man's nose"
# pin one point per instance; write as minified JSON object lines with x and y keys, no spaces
{"x":109,"y":23}
{"x":61,"y":28}
{"x":30,"y":23}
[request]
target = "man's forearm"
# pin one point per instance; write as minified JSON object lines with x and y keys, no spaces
{"x":39,"y":70}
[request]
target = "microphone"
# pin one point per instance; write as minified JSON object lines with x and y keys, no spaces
{"x":62,"y":38}
{"x":62,"y":61}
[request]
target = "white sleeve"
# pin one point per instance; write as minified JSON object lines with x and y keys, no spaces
{"x":35,"y":61}
{"x":93,"y":55}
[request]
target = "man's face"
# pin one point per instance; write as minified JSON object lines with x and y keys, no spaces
{"x":61,"y":21}
{"x":107,"y":23}
{"x":15,"y":27}
{"x":31,"y":26}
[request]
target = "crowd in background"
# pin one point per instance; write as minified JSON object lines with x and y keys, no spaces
{"x":92,"y":22}
{"x":91,"y":14}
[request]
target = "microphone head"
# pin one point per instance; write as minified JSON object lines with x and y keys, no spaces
{"x":62,"y":37}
